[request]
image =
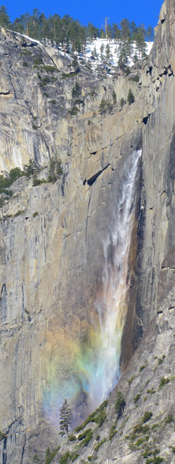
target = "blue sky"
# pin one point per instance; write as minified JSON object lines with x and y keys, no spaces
{"x":93,"y":11}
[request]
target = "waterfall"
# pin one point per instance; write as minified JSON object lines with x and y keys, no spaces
{"x":84,"y":373}
{"x":111,"y":302}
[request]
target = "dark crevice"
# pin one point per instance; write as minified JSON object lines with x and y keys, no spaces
{"x":168,"y":71}
{"x":93,"y":153}
{"x":5,"y":443}
{"x":5,"y":93}
{"x":162,"y":20}
{"x":150,"y":70}
{"x":87,"y":216}
{"x":4,"y":453}
{"x":145,"y":120}
{"x":4,"y":458}
{"x":92,"y":179}
{"x":171,"y":71}
{"x":63,"y":184}
{"x":23,"y":450}
{"x":25,"y":45}
{"x":3,"y":289}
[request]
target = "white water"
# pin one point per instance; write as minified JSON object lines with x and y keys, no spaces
{"x":111,"y":302}
{"x":97,"y":366}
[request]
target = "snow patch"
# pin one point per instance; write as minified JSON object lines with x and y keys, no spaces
{"x":94,"y":47}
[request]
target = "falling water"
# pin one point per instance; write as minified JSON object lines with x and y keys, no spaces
{"x":111,"y":302}
{"x":84,"y":374}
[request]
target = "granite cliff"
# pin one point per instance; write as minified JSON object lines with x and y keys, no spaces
{"x":52,"y":248}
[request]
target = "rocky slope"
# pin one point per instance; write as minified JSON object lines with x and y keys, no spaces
{"x":145,"y":432}
{"x":51,"y":241}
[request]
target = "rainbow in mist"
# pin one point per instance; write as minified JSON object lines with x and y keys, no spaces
{"x":85,"y":373}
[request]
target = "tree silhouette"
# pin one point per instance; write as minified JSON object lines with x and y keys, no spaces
{"x":65,"y":417}
{"x":131,"y":98}
{"x":4,"y":17}
{"x":120,"y":404}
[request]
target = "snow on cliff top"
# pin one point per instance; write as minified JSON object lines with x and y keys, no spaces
{"x":114,"y":50}
{"x":95,"y":46}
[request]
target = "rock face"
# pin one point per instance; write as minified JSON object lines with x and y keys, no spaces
{"x":51,"y":238}
{"x":145,"y":430}
{"x":158,"y":172}
{"x":154,"y":270}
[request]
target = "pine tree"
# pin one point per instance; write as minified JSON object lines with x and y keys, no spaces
{"x":120,"y":404}
{"x":114,"y":97}
{"x":150,"y":33}
{"x":102,"y":34}
{"x":131,"y":98}
{"x":101,"y":52}
{"x":65,"y":417}
{"x":4,"y":17}
{"x":108,"y":54}
{"x":55,"y":169}
{"x":140,"y":42}
{"x":116,"y":32}
{"x":75,"y":64}
{"x":125,"y":52}
{"x":31,"y":168}
{"x":125,"y":29}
